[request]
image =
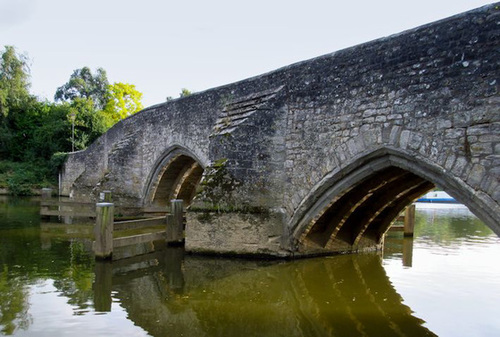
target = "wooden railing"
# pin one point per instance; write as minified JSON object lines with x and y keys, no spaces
{"x":110,"y":234}
{"x":107,"y":232}
{"x":77,"y":209}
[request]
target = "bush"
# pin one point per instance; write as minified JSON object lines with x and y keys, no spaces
{"x":21,"y":178}
{"x":57,"y":161}
{"x":19,"y":183}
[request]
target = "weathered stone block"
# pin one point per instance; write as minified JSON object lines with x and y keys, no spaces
{"x":234,"y":234}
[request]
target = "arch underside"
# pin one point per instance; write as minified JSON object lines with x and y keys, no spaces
{"x":176,"y":178}
{"x":353,"y":209}
{"x":359,"y":217}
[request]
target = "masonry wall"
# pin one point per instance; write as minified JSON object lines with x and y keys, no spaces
{"x":430,"y":94}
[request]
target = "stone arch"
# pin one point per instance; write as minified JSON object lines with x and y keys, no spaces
{"x":353,"y":207}
{"x":175,"y":175}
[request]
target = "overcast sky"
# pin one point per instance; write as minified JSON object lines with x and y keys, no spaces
{"x":162,"y":46}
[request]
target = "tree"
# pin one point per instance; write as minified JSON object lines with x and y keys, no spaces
{"x":32,"y":131}
{"x":15,"y":102}
{"x":123,"y":100}
{"x":14,"y":80}
{"x":89,"y":123}
{"x":53,"y":133}
{"x":83,"y":84}
{"x":86,"y":95}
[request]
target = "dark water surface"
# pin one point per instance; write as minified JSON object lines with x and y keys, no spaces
{"x":444,"y":282}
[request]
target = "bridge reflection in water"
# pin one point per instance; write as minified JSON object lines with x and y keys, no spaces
{"x":167,"y":293}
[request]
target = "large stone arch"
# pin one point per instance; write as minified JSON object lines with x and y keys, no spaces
{"x":351,"y":208}
{"x":175,"y":175}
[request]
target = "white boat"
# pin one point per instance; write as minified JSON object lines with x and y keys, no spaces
{"x":437,"y":199}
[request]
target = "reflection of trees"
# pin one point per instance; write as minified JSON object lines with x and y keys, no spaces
{"x":51,"y":254}
{"x":13,"y":303}
{"x":16,"y":226}
{"x":24,"y":261}
{"x":76,"y":279}
{"x":445,"y":226}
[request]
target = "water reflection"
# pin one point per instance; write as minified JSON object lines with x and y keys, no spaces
{"x":14,"y":304}
{"x":407,"y":252}
{"x":103,"y":285}
{"x":50,"y":285}
{"x":449,"y":226}
{"x":29,"y":255}
{"x":454,"y":279}
{"x":349,"y":295}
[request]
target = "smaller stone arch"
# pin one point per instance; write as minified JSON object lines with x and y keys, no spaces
{"x":175,"y":175}
{"x":353,"y":208}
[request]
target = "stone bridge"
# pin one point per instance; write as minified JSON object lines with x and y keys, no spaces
{"x":320,"y":156}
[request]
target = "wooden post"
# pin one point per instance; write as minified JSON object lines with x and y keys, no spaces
{"x":175,"y":222}
{"x":409,"y":224}
{"x":105,"y":196}
{"x":46,"y":193}
{"x":103,"y":230}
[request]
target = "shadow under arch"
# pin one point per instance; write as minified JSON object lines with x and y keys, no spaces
{"x":175,"y":175}
{"x":352,"y":208}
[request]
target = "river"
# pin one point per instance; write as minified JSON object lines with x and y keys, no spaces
{"x":445,"y":282}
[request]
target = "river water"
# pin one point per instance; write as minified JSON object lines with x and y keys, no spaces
{"x":445,"y":282}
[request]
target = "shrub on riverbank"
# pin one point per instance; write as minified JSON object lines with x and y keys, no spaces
{"x":21,"y":178}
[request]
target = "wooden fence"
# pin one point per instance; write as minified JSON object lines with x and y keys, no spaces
{"x":108,"y":234}
{"x":77,"y":209}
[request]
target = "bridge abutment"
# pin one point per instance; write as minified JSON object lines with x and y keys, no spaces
{"x":235,"y":234}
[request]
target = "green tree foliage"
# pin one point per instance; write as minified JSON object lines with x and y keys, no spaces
{"x":30,"y":130}
{"x":96,"y":104}
{"x":83,"y":84}
{"x":15,"y":124}
{"x":89,"y":123}
{"x":14,"y":80}
{"x":34,"y":135}
{"x":123,"y":100}
{"x":53,"y":132}
{"x":35,"y":131}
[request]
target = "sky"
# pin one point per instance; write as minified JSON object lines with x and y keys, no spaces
{"x":162,"y":46}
